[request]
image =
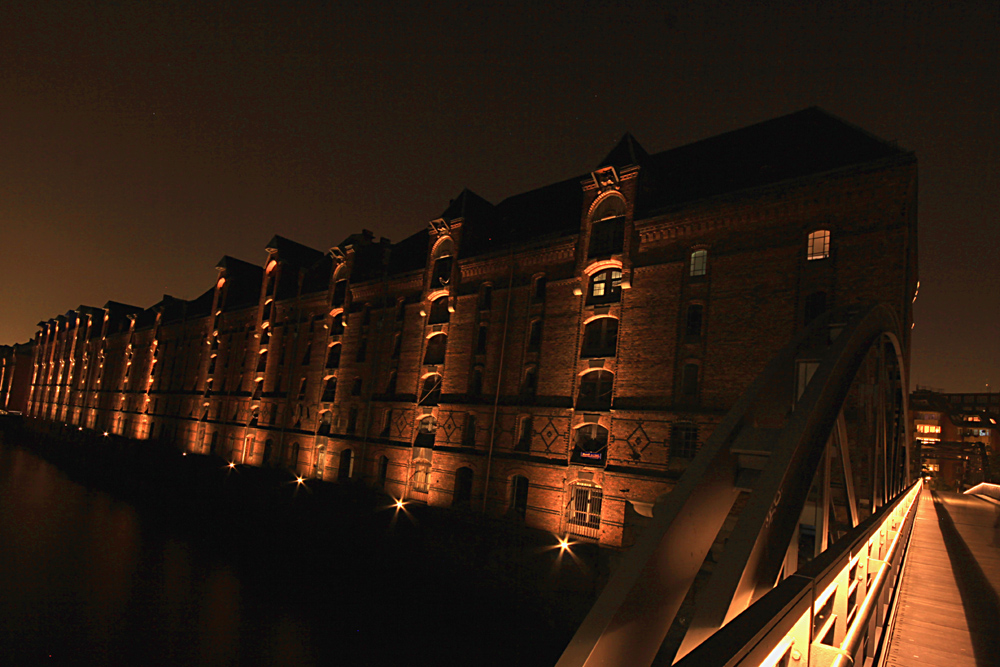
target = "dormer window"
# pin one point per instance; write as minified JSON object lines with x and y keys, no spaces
{"x":607,"y":231}
{"x":442,"y":272}
{"x":605,"y":287}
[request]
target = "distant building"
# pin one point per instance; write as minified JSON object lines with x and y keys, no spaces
{"x":16,"y":369}
{"x":557,"y":358}
{"x":957,"y":439}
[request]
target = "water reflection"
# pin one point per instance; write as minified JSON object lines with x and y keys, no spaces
{"x":87,"y":579}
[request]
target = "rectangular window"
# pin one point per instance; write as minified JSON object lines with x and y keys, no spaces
{"x":585,"y":511}
{"x":684,"y":441}
{"x":421,"y":476}
{"x":818,"y":246}
{"x":699,"y":263}
{"x":692,"y":330}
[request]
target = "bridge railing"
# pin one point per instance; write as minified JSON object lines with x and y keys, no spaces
{"x":985,"y":489}
{"x":832,"y":612}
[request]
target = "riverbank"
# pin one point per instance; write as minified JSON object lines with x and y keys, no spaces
{"x":413,"y":586}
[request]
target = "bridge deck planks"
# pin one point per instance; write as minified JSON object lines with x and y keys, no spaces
{"x":931,"y":628}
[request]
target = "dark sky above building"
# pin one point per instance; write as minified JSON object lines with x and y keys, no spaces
{"x":140,"y":142}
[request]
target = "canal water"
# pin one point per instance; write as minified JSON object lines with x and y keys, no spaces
{"x":89,"y":579}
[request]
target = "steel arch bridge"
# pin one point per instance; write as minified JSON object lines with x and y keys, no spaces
{"x":821,"y":436}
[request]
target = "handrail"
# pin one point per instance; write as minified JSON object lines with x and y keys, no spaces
{"x":811,"y":612}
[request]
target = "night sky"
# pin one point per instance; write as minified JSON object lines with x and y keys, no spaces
{"x":141,"y":142}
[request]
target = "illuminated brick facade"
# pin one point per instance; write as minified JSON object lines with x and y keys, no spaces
{"x":557,"y":357}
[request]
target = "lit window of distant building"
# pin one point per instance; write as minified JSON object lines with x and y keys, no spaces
{"x":818,"y":245}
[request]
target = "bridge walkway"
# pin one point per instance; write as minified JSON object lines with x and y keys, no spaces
{"x":948,"y":611}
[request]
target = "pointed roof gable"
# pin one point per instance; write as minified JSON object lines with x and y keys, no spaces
{"x":626,"y":153}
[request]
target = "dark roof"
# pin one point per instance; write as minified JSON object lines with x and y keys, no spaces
{"x":410,"y":254}
{"x":244,"y":281}
{"x":807,"y":142}
{"x":291,"y":252}
{"x":317,"y":277}
{"x":202,"y":305}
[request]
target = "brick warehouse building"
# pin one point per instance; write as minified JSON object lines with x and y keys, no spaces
{"x":557,"y":357}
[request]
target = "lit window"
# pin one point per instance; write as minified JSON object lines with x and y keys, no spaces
{"x":699,"y":263}
{"x":585,"y":510}
{"x":818,"y":245}
{"x":605,"y":286}
{"x":426,"y":432}
{"x":421,"y":476}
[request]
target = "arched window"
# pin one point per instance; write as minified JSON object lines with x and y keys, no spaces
{"x":439,"y":311}
{"x":529,"y":384}
{"x":591,"y":445}
{"x":330,"y":391}
{"x":607,"y":230}
{"x":693,"y":322}
{"x":397,"y":345}
{"x":352,"y":419}
{"x":383,"y":470}
{"x":430,"y":392}
{"x":481,"y":339}
{"x":485,"y":296}
{"x":699,"y":263}
{"x":600,"y":338}
{"x":386,"y":423}
{"x":390,"y":386}
{"x":262,"y":362}
{"x":535,"y":336}
{"x":595,"y":391}
{"x":442,"y":271}
{"x":815,"y":306}
{"x":215,"y":443}
{"x":258,"y":390}
{"x":337,"y":325}
{"x":426,"y":432}
{"x":463,"y":486}
{"x":818,"y":245}
{"x":293,"y":457}
{"x":346,"y":468}
{"x":437,"y":345}
{"x":325,"y":423}
{"x":268,"y":451}
{"x":469,"y":431}
{"x":605,"y":287}
{"x":333,"y":357}
{"x":538,"y":289}
{"x":302,"y":389}
{"x":519,"y":496}
{"x":339,"y":293}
